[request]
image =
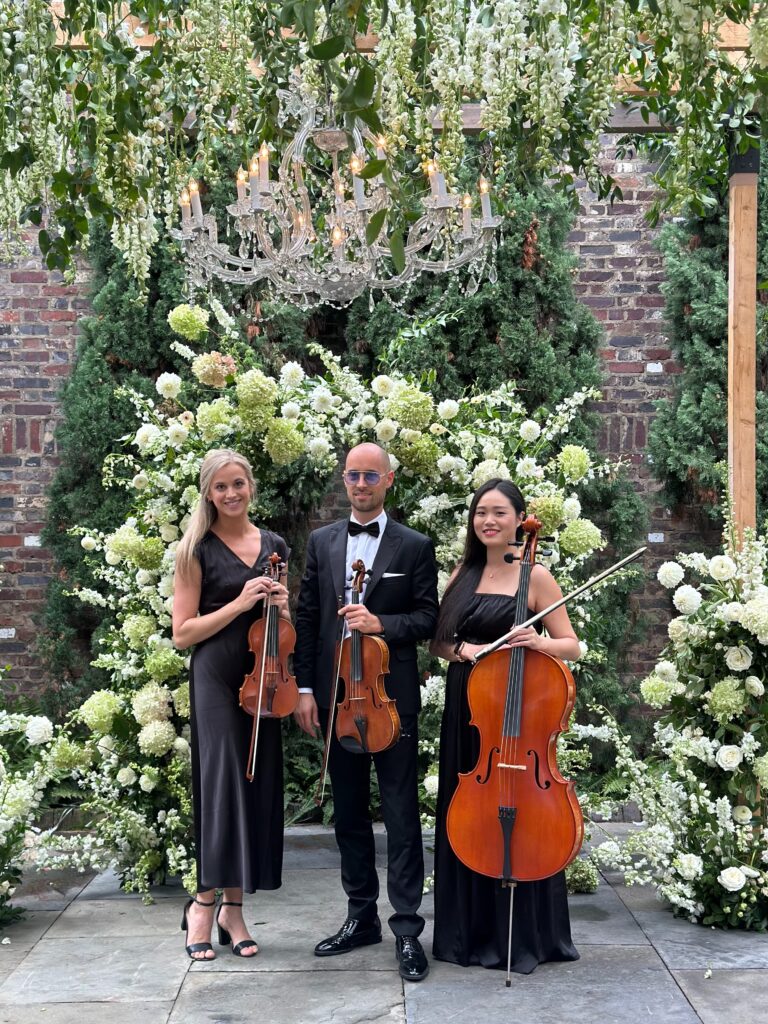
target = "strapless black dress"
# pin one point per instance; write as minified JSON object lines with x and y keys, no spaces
{"x":471,"y":910}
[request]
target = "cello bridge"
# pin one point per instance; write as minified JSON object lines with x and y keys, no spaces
{"x":514,"y":767}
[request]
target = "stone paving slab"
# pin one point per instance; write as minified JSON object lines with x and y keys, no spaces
{"x":727,"y":997}
{"x":625,"y":985}
{"x":683,"y":945}
{"x":29,"y":930}
{"x":275,"y":998}
{"x":88,"y":1013}
{"x":81,"y":970}
{"x":601,"y":918}
{"x":106,"y":886}
{"x":112,"y":919}
{"x":50,"y":890}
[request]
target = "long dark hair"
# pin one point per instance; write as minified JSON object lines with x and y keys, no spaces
{"x":473,"y":560}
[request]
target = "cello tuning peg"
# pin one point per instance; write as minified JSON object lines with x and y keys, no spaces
{"x":547,"y":540}
{"x":547,"y":554}
{"x":515,"y":543}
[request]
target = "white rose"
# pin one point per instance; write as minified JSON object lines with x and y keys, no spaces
{"x":730,"y":611}
{"x":39,"y":730}
{"x":446,"y":463}
{"x":386,"y":430}
{"x":742,"y":815}
{"x":732,"y":879}
{"x":667,"y":671}
{"x":106,"y":745}
{"x":177,"y":435}
{"x":126,"y":776}
{"x":754,"y":686}
{"x":111,"y":557}
{"x":689,"y":866}
{"x":147,"y":784}
{"x":687,"y":600}
{"x":168,"y":385}
{"x":181,"y":746}
{"x":530,"y":430}
{"x":677,"y":630}
{"x":144,"y":577}
{"x":382,"y":385}
{"x":738,"y":659}
{"x":88,"y":543}
{"x":145,"y":436}
{"x":670,"y":574}
{"x":368,"y":422}
{"x":448,"y":409}
{"x":729,"y":757}
{"x":722,"y":568}
{"x":141,"y":481}
{"x":169,"y":533}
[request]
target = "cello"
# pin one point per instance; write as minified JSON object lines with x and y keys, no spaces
{"x":270,"y":690}
{"x":514,"y":817}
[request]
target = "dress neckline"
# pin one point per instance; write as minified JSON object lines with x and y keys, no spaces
{"x":234,"y":554}
{"x":494,"y":593}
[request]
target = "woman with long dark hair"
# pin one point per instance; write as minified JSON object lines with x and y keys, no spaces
{"x":219,"y":591}
{"x":472,"y":910}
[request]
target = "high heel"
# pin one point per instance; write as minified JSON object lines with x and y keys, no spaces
{"x":225,"y":938}
{"x":196,"y":947}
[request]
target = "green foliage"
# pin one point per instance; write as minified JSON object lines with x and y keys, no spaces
{"x":125,"y":341}
{"x":688,"y":440}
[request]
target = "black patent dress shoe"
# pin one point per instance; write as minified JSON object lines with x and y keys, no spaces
{"x":412,"y":959}
{"x":353,"y":933}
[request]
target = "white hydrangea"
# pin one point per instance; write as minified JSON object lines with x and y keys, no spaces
{"x":687,"y":600}
{"x":670,"y":574}
{"x":168,"y":385}
{"x":722,"y":568}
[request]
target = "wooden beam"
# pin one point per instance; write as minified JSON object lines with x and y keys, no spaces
{"x":742,"y":353}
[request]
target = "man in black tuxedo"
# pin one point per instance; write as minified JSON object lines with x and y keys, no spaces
{"x":399,"y":605}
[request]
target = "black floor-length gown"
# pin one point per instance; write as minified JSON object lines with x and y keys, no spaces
{"x":238,"y":824}
{"x":472,"y":910}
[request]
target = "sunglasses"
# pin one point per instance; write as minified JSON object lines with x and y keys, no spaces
{"x":371,"y":477}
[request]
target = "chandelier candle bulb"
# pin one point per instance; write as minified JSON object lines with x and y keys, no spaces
{"x":466,"y":216}
{"x":197,"y":206}
{"x":241,"y":179}
{"x":432,"y":175}
{"x":441,"y":189}
{"x":485,"y":200}
{"x":186,"y":212}
{"x":381,"y":148}
{"x":264,"y":167}
{"x":355,"y":166}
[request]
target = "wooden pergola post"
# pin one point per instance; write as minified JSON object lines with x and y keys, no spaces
{"x":742,"y":319}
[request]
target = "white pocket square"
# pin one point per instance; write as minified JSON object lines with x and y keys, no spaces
{"x":391,"y":575}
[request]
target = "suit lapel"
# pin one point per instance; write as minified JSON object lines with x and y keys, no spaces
{"x":337,"y":552}
{"x":390,"y":542}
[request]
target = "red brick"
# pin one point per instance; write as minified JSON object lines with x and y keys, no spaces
{"x":28,"y":277}
{"x":58,"y":314}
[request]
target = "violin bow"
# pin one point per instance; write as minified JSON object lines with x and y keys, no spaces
{"x":320,"y":789}
{"x":268,"y":604}
{"x":490,"y":648}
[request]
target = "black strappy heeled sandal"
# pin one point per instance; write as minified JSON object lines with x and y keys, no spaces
{"x":225,"y":938}
{"x":197,"y":947}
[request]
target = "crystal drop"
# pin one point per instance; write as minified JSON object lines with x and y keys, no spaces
{"x":471,"y":285}
{"x":370,"y":301}
{"x":493,"y":276}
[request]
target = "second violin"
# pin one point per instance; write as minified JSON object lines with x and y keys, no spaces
{"x":270,"y":690}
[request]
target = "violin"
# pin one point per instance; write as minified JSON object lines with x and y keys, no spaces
{"x":514,"y":817}
{"x":270,"y":690}
{"x":367,"y":721}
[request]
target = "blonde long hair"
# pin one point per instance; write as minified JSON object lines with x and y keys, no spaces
{"x":204,"y":515}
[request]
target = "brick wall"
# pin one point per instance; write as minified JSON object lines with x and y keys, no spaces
{"x":619,"y":278}
{"x":38,"y":330}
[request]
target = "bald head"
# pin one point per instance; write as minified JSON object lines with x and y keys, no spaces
{"x":371,"y":453}
{"x":367,"y":478}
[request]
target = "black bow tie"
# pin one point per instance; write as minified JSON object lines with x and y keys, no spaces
{"x":356,"y":528}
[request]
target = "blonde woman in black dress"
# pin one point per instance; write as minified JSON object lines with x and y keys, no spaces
{"x":219,"y":591}
{"x":472,"y":910}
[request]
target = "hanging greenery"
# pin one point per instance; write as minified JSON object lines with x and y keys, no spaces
{"x":108,"y":106}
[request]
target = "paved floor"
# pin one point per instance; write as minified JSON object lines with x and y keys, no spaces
{"x":88,"y":953}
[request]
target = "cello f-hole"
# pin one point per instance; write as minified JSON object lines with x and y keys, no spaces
{"x":542,"y":785}
{"x":482,"y":779}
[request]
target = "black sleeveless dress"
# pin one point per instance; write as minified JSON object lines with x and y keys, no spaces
{"x":471,"y":910}
{"x":238,"y":824}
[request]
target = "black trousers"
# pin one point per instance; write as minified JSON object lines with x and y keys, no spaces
{"x":397,"y":773}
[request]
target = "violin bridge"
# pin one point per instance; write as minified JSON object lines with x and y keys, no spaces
{"x":514,"y":767}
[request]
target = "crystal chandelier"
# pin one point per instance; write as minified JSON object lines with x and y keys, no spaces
{"x":316,"y":233}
